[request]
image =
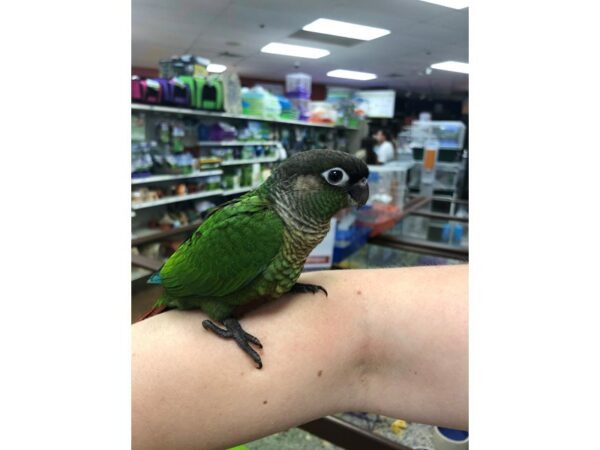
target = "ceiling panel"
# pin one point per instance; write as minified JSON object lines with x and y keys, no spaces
{"x":421,"y":34}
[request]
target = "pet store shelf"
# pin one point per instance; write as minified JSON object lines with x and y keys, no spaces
{"x":159,"y":178}
{"x":196,"y":112}
{"x":146,"y":235}
{"x":235,"y":143}
{"x":137,"y":273}
{"x":176,"y":199}
{"x":237,"y":162}
{"x":146,"y":262}
{"x":443,"y":165}
{"x":239,"y":190}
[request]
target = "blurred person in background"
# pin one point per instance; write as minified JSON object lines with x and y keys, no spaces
{"x":367,"y":146}
{"x":384,"y":149}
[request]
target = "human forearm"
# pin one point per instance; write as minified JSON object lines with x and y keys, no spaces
{"x":379,"y":342}
{"x":193,"y":390}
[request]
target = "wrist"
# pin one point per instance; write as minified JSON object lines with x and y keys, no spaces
{"x":350,"y":324}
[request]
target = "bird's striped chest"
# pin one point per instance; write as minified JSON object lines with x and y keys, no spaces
{"x":287,"y":266}
{"x":298,"y":243}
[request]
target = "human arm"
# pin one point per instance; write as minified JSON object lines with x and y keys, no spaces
{"x":392,"y":341}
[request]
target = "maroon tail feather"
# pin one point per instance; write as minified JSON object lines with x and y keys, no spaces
{"x":152,"y":312}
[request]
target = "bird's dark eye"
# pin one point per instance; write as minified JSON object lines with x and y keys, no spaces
{"x":335,"y":176}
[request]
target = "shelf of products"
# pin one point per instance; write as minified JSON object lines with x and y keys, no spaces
{"x":428,"y":228}
{"x":176,"y":199}
{"x":137,"y":273}
{"x":186,"y":161}
{"x":146,"y":235}
{"x":237,"y":162}
{"x":239,"y":190}
{"x":224,"y":115}
{"x":160,"y":178}
{"x":235,"y":143}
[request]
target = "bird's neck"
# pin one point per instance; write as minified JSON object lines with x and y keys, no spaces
{"x":304,"y":211}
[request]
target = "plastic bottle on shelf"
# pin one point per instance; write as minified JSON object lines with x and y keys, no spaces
{"x":298,"y":90}
{"x":430,"y":153}
{"x":457,"y":235}
{"x":298,"y":85}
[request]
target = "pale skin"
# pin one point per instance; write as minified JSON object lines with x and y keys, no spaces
{"x":388,"y":341}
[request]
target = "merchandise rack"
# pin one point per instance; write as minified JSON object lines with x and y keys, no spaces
{"x":237,"y":162}
{"x":144,"y":235}
{"x":161,"y":178}
{"x":147,"y":235}
{"x":224,"y":115}
{"x":234,"y":143}
{"x":176,"y":199}
{"x":239,"y":190}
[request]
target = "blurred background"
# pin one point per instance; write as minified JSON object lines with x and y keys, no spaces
{"x":221,"y":91}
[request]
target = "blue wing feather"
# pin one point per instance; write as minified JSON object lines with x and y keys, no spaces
{"x":154,"y":278}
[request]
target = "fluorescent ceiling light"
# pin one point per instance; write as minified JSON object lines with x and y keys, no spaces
{"x":345,"y":29}
{"x":216,"y":68}
{"x":454,"y":4}
{"x":351,"y":75}
{"x":300,"y":51}
{"x":452,"y":66}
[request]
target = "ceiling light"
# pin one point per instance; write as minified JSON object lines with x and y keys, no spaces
{"x":300,"y":51}
{"x":452,"y":66}
{"x":454,"y":4}
{"x":345,"y":29}
{"x":351,"y":75}
{"x":216,"y":68}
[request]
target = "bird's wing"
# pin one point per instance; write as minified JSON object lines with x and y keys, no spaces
{"x":230,"y":249}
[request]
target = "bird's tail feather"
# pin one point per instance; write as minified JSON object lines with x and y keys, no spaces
{"x":160,"y":306}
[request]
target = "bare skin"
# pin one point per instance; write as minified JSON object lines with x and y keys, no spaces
{"x":389,"y":341}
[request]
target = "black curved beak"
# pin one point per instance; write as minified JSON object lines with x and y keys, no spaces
{"x":359,"y":192}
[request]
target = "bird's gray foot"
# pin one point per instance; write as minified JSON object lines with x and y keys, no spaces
{"x":305,"y":288}
{"x":233,"y":330}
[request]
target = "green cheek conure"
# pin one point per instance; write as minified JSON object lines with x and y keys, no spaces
{"x":252,"y":249}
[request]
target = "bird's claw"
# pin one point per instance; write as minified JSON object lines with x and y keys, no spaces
{"x":308,"y":288}
{"x":233,"y":330}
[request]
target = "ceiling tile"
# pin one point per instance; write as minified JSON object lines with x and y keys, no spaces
{"x":421,"y":34}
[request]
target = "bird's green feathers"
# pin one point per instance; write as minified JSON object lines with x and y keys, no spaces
{"x":228,"y":251}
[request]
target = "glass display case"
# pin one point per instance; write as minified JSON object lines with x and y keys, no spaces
{"x":387,"y":183}
{"x":432,"y":231}
{"x":447,"y":177}
{"x":433,"y":224}
{"x":449,"y":134}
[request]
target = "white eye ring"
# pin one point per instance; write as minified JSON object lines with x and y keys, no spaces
{"x":332,"y":176}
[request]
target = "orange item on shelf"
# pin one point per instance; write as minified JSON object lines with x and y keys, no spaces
{"x":380,"y":217}
{"x":429,"y":159}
